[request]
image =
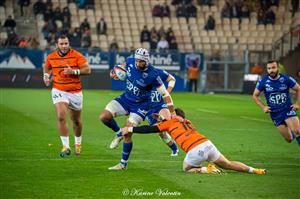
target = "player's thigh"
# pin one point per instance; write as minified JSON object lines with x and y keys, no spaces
{"x":61,"y":109}
{"x":293,"y":124}
{"x":284,"y":131}
{"x":59,"y":96}
{"x":115,"y":108}
{"x":134,"y":119}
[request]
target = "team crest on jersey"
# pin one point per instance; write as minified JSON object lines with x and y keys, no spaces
{"x":281,"y":79}
{"x":145,"y":75}
{"x":283,"y":87}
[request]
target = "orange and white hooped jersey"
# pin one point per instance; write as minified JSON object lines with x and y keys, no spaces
{"x":183,"y":133}
{"x":57,"y":63}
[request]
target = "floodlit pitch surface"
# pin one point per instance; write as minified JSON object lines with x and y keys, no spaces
{"x":31,"y":167}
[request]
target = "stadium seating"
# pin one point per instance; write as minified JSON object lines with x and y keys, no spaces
{"x":126,"y":18}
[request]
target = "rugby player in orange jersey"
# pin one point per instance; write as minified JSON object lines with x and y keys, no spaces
{"x":196,"y":145}
{"x":66,"y":65}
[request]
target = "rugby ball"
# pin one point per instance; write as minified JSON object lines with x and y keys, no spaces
{"x":120,"y":71}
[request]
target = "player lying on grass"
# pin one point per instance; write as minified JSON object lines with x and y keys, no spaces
{"x":196,"y":145}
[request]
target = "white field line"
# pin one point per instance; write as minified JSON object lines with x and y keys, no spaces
{"x":115,"y":160}
{"x":207,"y":111}
{"x":255,"y":119}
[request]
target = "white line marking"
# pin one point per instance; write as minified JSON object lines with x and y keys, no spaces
{"x":207,"y":111}
{"x":255,"y":119}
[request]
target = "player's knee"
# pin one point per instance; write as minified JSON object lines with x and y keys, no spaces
{"x":105,"y":116}
{"x":77,"y":122}
{"x":288,"y":140}
{"x":61,"y":118}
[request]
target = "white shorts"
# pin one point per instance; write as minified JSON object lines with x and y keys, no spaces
{"x":203,"y":152}
{"x":74,"y":100}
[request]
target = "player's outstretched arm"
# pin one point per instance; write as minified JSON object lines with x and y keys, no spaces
{"x":171,"y":83}
{"x":145,"y":129}
{"x":296,"y":105}
{"x":258,"y":101}
{"x":167,"y":98}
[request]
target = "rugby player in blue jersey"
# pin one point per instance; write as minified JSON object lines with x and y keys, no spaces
{"x":276,"y":89}
{"x":159,"y":107}
{"x":141,"y":78}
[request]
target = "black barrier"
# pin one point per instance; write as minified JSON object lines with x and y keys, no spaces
{"x":33,"y":78}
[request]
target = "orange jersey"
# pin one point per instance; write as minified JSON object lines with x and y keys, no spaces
{"x":57,"y":63}
{"x":183,"y":133}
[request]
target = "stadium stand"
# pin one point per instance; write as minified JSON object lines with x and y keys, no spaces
{"x":126,"y":18}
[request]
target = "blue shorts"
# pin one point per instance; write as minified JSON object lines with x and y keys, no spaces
{"x":280,"y":117}
{"x":139,"y":108}
{"x":155,"y":108}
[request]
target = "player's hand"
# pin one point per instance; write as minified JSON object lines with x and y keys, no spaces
{"x":68,"y":71}
{"x":113,"y":75}
{"x":267,"y":109}
{"x":295,"y":107}
{"x":46,"y":79}
{"x":124,"y":130}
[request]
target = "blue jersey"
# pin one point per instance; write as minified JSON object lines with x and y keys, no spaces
{"x":139,"y":84}
{"x":277,"y":92}
{"x":156,"y":98}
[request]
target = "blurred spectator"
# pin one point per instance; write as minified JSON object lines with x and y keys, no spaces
{"x":34,"y":43}
{"x":161,"y":32}
{"x":225,"y":12}
{"x":101,"y":27}
{"x":170,"y":34}
{"x":175,"y":2}
{"x":66,"y":24}
{"x":57,"y":15}
{"x":173,"y":44}
{"x":205,"y":2}
{"x":24,"y":4}
{"x":145,"y":35}
{"x":52,"y":27}
{"x":39,"y":7}
{"x":80,"y":3}
{"x":75,"y":37}
{"x":236,"y":9}
{"x":156,"y":10}
{"x":257,"y":69}
{"x":9,"y":23}
{"x":66,"y":13}
{"x":193,"y":75}
{"x":114,"y":45}
{"x":48,"y":14}
{"x":85,"y":24}
{"x":165,"y":10}
{"x":153,"y":40}
{"x":260,"y":17}
{"x":245,"y":12}
{"x":181,"y":11}
{"x":210,"y":24}
{"x":191,"y":10}
{"x":89,"y":4}
{"x":162,"y":45}
{"x":23,"y":43}
{"x":295,"y":6}
{"x":270,"y":17}
{"x":12,"y":38}
{"x":86,"y":40}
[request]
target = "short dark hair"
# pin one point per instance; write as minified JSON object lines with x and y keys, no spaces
{"x":272,"y":61}
{"x":180,"y":112}
{"x":61,"y":37}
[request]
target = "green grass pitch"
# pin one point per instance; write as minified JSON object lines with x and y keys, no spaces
{"x":30,"y":168}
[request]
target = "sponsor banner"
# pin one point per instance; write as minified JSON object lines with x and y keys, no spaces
{"x":21,"y":58}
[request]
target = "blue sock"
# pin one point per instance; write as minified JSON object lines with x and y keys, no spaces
{"x":174,"y":148}
{"x":297,"y":137}
{"x":112,"y":124}
{"x":126,"y":151}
